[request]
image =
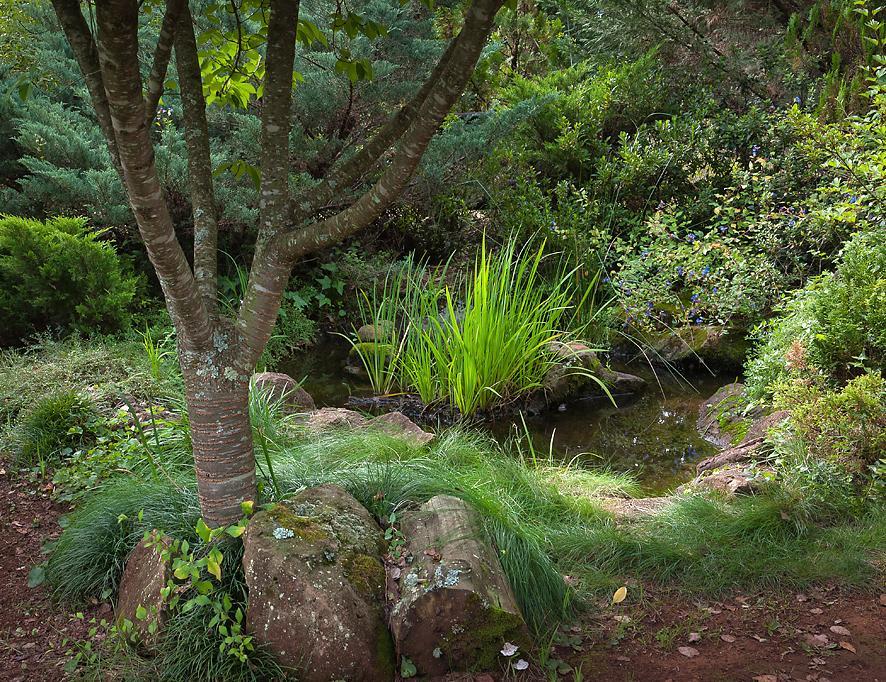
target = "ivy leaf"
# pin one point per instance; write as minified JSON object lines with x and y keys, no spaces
{"x":141,"y":612}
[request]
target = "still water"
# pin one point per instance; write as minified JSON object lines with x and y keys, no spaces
{"x":654,"y":437}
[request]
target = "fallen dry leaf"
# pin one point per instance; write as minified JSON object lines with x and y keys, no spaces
{"x":847,"y":646}
{"x":727,"y":638}
{"x":620,"y":595}
{"x":433,"y":553}
{"x":694,"y":637}
{"x":688,"y":651}
{"x":766,"y":678}
{"x":883,"y":600}
{"x":817,"y":612}
{"x":759,"y":639}
{"x":840,"y":630}
{"x":819,"y":641}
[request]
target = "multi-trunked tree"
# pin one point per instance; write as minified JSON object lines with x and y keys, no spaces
{"x":218,"y":353}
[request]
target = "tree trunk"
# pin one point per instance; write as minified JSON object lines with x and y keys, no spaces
{"x":221,"y":436}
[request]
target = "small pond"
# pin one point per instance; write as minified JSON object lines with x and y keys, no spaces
{"x":654,"y":437}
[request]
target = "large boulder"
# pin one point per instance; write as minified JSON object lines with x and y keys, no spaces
{"x":138,"y":599}
{"x":399,"y":425}
{"x":283,"y":387}
{"x":332,"y":418}
{"x":711,"y":344}
{"x":723,"y":419}
{"x":381,"y":332}
{"x":455,"y":609}
{"x":759,"y":428}
{"x":575,"y":372}
{"x":727,"y":419}
{"x":573,"y":364}
{"x":316,"y":587}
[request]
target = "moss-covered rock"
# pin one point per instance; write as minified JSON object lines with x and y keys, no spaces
{"x":455,"y":609}
{"x":380,"y":332}
{"x":713,"y":345}
{"x":316,"y":587}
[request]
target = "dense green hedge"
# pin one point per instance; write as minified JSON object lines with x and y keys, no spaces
{"x":59,"y":276}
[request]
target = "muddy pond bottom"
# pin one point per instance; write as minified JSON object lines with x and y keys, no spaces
{"x":654,"y":437}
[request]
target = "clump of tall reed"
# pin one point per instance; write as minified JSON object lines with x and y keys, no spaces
{"x":481,"y":342}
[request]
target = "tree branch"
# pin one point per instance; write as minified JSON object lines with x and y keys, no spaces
{"x":162,"y":53}
{"x":349,"y":171}
{"x":117,"y":22}
{"x":269,"y":275}
{"x":439,"y":101}
{"x":82,"y":44}
{"x":203,"y":205}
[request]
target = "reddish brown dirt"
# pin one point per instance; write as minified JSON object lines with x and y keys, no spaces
{"x":762,"y":638}
{"x":33,"y":629}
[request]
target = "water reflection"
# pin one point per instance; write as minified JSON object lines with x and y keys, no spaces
{"x":654,"y":437}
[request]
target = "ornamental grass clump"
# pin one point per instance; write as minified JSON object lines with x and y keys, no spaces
{"x":476,"y":345}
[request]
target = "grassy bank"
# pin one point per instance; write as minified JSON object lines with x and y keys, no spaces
{"x":545,"y":517}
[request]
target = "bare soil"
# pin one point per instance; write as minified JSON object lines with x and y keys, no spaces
{"x":820,"y":635}
{"x":35,"y":632}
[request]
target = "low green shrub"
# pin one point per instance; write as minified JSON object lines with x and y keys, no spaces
{"x":59,"y":275}
{"x":834,"y":327}
{"x":55,"y":427}
{"x":850,"y":310}
{"x":109,"y":367}
{"x":845,"y":425}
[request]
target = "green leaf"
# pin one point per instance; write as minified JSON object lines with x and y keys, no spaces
{"x":141,"y":612}
{"x":203,"y":530}
{"x":36,"y":576}
{"x":235,"y":531}
{"x":213,"y":563}
{"x":407,"y":668}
